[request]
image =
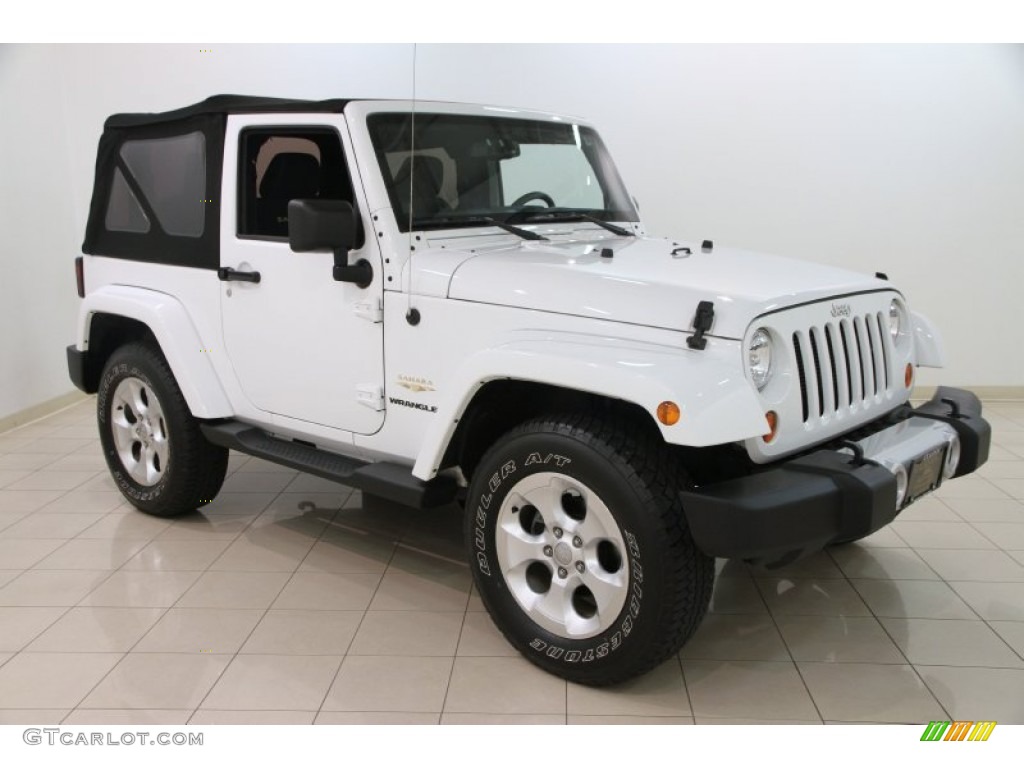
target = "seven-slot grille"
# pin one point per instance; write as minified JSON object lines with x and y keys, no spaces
{"x":843,"y":364}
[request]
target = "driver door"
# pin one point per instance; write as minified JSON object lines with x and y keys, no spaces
{"x":302,"y":345}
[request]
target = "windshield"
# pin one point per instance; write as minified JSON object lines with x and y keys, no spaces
{"x":467,"y":170}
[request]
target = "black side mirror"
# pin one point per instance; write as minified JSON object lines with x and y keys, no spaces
{"x":315,"y":225}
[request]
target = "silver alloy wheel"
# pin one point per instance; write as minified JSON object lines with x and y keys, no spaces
{"x":562,"y":555}
{"x":140,"y":431}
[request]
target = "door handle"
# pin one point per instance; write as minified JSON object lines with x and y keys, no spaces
{"x":227,"y":273}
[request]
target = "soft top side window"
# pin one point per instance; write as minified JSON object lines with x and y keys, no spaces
{"x":165,"y":175}
{"x":124,"y":213}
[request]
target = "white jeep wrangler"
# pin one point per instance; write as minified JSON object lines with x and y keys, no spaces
{"x":441,"y":303}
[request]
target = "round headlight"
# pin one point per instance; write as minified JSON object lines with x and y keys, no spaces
{"x":895,"y":320}
{"x":759,"y":355}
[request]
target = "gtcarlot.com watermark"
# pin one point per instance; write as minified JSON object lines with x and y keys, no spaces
{"x":71,"y":738}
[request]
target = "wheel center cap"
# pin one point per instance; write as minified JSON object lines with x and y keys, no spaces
{"x":563,"y":553}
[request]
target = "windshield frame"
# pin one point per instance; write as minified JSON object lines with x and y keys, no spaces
{"x":389,"y":133}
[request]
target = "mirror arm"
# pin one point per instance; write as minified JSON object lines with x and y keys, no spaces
{"x":340,"y":262}
{"x":360,"y":273}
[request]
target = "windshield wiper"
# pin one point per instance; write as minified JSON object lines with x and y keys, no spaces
{"x":434,"y":222}
{"x":565,"y":214}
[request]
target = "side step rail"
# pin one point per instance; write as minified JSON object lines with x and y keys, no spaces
{"x":393,"y":482}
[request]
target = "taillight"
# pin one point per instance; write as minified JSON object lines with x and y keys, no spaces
{"x":80,"y":276}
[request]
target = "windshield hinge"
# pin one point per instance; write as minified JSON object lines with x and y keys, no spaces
{"x":702,"y":322}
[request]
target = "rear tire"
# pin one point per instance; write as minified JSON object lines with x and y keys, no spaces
{"x":580,"y":550}
{"x":157,"y":456}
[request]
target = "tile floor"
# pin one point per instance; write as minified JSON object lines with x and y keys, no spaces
{"x":285,"y":601}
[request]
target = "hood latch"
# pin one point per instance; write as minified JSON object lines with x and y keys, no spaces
{"x":702,"y":322}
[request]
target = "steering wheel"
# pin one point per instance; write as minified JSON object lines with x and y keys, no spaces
{"x":524,"y":199}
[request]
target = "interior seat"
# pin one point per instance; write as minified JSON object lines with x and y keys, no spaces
{"x":290,"y":176}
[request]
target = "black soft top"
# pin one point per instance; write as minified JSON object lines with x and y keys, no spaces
{"x":225,"y":104}
{"x":163,"y":205}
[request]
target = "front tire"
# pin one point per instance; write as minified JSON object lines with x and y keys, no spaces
{"x":580,"y":550}
{"x":157,"y":456}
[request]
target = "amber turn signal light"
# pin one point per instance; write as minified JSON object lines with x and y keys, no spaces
{"x":908,"y":376}
{"x":668,"y":413}
{"x":773,"y":426}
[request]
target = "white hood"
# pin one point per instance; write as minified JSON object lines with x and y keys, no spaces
{"x":642,"y":284}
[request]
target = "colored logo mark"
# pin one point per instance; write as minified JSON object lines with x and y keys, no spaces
{"x":958,"y":730}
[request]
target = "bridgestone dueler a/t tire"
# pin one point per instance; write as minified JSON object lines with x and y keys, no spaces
{"x":195,"y":468}
{"x":637,"y":480}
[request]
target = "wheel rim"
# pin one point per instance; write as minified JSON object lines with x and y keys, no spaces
{"x":562,"y":555}
{"x":140,"y":431}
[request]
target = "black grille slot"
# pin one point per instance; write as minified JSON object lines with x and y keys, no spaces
{"x":884,"y":337}
{"x":817,"y":371}
{"x":832,"y":362}
{"x":800,"y":371}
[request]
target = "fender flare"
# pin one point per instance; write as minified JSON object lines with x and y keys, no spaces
{"x":717,"y":404}
{"x":179,"y":341}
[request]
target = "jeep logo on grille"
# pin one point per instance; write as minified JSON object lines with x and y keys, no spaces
{"x":841,"y":310}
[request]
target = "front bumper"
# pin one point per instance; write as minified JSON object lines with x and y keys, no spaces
{"x":832,"y":495}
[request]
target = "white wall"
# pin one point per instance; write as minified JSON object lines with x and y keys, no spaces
{"x":903,"y":159}
{"x":40,"y":231}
